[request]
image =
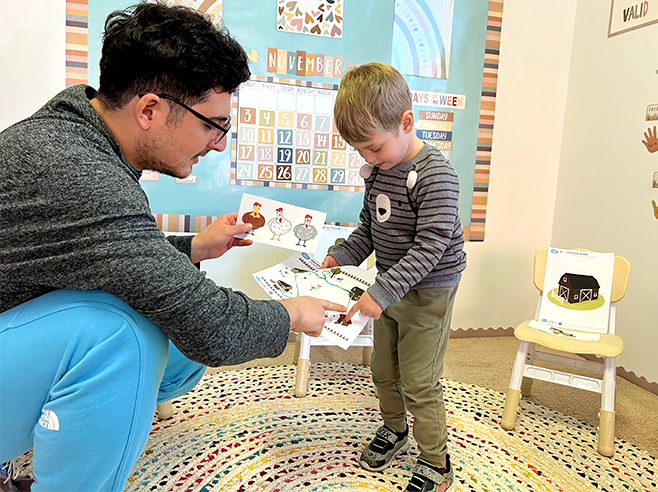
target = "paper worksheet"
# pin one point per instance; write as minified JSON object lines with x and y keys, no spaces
{"x":301,"y":275}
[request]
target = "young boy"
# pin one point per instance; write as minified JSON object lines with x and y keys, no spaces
{"x":410,"y":219}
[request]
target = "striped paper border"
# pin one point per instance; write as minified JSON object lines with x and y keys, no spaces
{"x":76,"y":42}
{"x":475,"y":232}
{"x":197,"y":223}
{"x":183,"y":223}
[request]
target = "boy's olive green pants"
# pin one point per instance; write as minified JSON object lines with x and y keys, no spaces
{"x":410,"y":341}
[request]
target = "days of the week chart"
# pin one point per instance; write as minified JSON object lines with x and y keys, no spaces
{"x":284,"y":135}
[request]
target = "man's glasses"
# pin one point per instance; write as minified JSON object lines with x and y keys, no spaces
{"x":221,"y":130}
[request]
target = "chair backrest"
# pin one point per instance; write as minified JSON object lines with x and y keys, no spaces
{"x":620,"y":273}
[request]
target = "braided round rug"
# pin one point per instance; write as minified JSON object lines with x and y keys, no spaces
{"x":245,"y":431}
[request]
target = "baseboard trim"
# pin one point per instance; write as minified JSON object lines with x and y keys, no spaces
{"x":481,"y":332}
{"x":641,"y":381}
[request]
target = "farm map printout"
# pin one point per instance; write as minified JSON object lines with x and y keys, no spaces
{"x":301,"y":275}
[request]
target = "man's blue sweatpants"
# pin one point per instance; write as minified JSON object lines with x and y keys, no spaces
{"x":80,"y":375}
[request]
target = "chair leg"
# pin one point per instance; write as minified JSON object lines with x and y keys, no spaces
{"x":301,"y":383}
{"x":295,"y":356}
{"x":606,"y":433}
{"x":511,"y":406}
{"x":526,"y":387}
{"x":303,"y":362}
{"x":514,"y":390}
{"x":606,"y":445}
{"x":165,"y":410}
{"x":526,"y":384}
{"x":367,"y":354}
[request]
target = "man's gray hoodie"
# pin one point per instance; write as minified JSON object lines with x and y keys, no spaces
{"x":73,"y":216}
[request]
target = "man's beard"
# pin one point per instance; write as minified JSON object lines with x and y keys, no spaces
{"x":145,"y":154}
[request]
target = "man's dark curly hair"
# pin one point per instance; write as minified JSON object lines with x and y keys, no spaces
{"x":174,"y":50}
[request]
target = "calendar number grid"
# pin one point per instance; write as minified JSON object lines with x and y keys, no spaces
{"x":284,"y":136}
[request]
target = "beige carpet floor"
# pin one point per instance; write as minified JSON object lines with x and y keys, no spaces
{"x":487,"y":362}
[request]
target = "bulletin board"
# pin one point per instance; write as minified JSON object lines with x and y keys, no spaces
{"x":452,"y":78}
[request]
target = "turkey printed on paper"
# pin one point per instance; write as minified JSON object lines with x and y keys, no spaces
{"x":281,"y":224}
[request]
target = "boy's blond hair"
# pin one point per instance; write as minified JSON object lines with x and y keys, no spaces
{"x":371,"y":98}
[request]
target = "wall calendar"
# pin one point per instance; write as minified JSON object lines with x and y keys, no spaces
{"x":284,"y":136}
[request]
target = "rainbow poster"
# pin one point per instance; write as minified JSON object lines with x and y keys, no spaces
{"x":421,"y":37}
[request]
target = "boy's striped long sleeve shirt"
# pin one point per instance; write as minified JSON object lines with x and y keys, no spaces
{"x":416,"y":233}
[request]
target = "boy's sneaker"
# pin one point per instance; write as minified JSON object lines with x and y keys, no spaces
{"x":429,"y":478}
{"x":9,"y":481}
{"x":385,"y":446}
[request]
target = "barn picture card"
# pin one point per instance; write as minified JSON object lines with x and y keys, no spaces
{"x":576,"y":293}
{"x":281,"y":224}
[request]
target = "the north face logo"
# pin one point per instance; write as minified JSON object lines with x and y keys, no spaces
{"x":49,"y":420}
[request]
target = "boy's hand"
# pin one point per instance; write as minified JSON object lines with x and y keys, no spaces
{"x":368,"y":307}
{"x":329,"y":262}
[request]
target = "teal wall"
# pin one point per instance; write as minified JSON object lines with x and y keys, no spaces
{"x":367,"y":36}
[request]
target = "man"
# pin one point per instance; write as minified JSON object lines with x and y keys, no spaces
{"x":90,"y":290}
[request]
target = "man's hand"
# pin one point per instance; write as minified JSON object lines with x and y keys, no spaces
{"x":217,"y":238}
{"x":307,"y":314}
{"x":329,"y":262}
{"x":651,"y":140}
{"x":368,"y":307}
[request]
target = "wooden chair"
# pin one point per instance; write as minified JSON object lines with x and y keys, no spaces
{"x":608,"y":346}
